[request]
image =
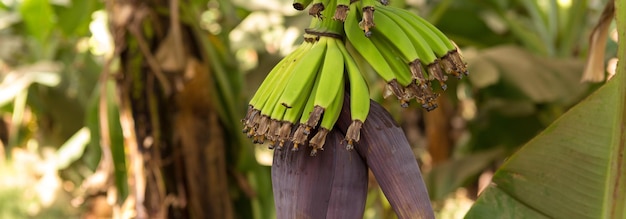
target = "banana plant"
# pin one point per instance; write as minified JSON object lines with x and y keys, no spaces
{"x":318,"y":96}
{"x":178,"y":89}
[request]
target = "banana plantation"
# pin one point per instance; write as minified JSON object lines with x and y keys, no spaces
{"x":373,"y":109}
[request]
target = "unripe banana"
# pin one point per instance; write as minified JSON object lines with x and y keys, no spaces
{"x":451,"y":60}
{"x":400,"y":69}
{"x":301,"y":4}
{"x":370,"y":53}
{"x":304,"y":72}
{"x":331,"y":114}
{"x":281,"y":84}
{"x":302,"y":132}
{"x":396,"y":36}
{"x":416,"y":23}
{"x":269,"y":83}
{"x":331,"y":78}
{"x":359,"y":99}
{"x":423,"y":49}
{"x":408,"y":20}
{"x":298,"y":114}
{"x":258,"y":123}
{"x":398,"y":64}
{"x":307,"y":87}
{"x":271,"y":109}
{"x":421,"y":22}
{"x":280,"y":133}
{"x":365,"y":47}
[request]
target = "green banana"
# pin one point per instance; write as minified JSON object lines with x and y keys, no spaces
{"x":369,"y":51}
{"x":300,"y":112}
{"x":332,"y":112}
{"x":419,"y":21}
{"x":359,"y":99}
{"x":451,"y":60}
{"x":262,"y":125}
{"x":304,"y":73}
{"x":281,"y":133}
{"x":423,"y":49}
{"x":417,"y":24}
{"x":301,"y":4}
{"x":263,"y":115}
{"x":269,"y":83}
{"x":283,"y":83}
{"x":365,"y":47}
{"x":302,"y":132}
{"x":331,"y":115}
{"x":396,"y":36}
{"x":331,"y":75}
{"x":437,"y":45}
{"x":400,"y":69}
{"x":329,"y":94}
{"x":391,"y":54}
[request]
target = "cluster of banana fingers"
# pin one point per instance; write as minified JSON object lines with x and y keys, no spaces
{"x":306,"y":89}
{"x":414,"y":51}
{"x":301,"y":98}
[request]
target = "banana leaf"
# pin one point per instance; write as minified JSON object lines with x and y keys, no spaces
{"x":575,"y":168}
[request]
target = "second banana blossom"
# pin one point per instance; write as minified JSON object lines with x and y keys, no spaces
{"x":301,"y":98}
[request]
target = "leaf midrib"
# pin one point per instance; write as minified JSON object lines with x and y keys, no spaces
{"x":617,"y":198}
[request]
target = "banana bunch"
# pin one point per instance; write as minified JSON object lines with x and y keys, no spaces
{"x":302,"y":97}
{"x":306,"y":90}
{"x":404,"y":49}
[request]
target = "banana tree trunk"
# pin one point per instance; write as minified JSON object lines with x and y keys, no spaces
{"x":175,"y":149}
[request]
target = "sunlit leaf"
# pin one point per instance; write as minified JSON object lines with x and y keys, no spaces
{"x":75,"y":18}
{"x":540,"y":79}
{"x":484,"y":72}
{"x":73,"y":148}
{"x":39,"y":18}
{"x":15,"y":82}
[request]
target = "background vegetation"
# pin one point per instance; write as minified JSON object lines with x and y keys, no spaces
{"x":68,"y":65}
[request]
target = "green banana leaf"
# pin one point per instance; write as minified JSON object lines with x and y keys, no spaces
{"x":576,"y":168}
